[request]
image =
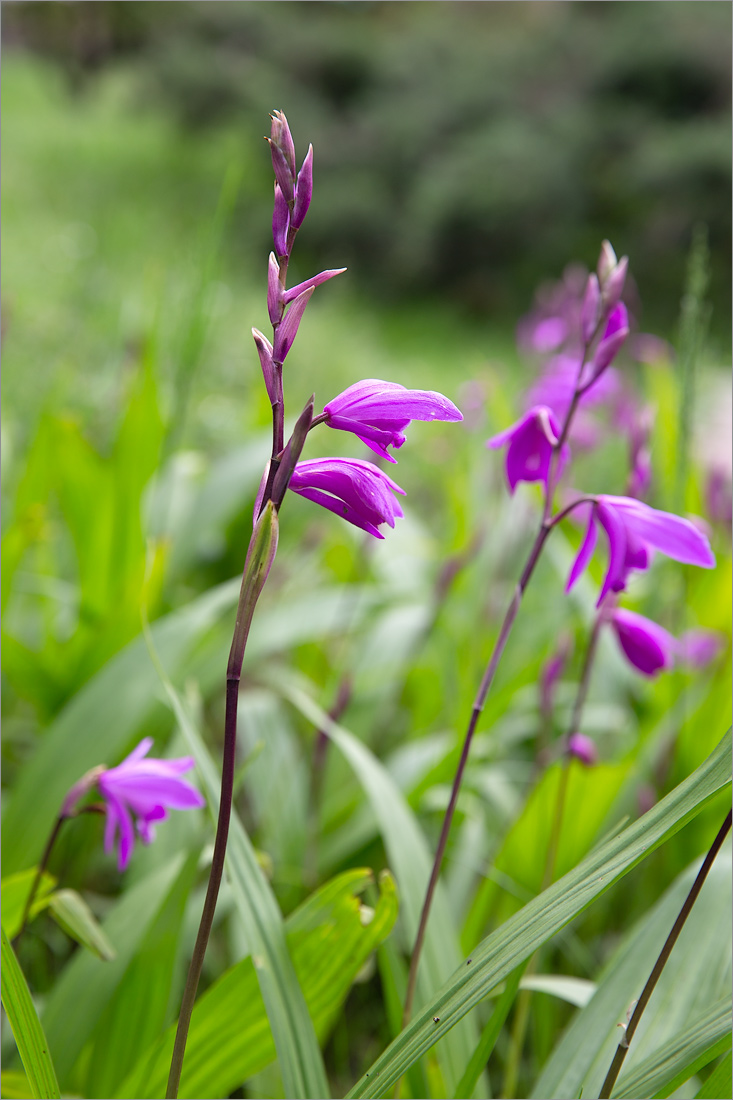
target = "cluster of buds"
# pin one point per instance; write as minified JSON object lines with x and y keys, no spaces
{"x":377,"y":412}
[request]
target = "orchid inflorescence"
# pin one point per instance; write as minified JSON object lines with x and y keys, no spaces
{"x":583,"y":327}
{"x":377,"y":412}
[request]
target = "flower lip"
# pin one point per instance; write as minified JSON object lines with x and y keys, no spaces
{"x":378,"y":412}
{"x":147,"y":789}
{"x":357,"y":491}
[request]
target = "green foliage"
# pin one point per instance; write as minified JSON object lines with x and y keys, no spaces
{"x":26,"y":1026}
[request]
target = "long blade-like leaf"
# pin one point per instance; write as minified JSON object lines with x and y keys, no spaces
{"x":26,"y":1026}
{"x":537,"y":922}
{"x":410,"y":859}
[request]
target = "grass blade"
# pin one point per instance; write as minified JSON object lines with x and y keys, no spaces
{"x":545,"y":915}
{"x":26,"y":1026}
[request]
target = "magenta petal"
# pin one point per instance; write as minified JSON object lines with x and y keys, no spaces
{"x":676,"y":537}
{"x":139,"y":751}
{"x":287,"y":330}
{"x":358,"y":491}
{"x":585,"y":553}
{"x":612,"y":524}
{"x":582,"y":748}
{"x":303,"y":190}
{"x":648,"y":646}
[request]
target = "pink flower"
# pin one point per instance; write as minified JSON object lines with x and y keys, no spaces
{"x":530,"y":444}
{"x":146,"y":789}
{"x":378,"y":412}
{"x":634,"y":531}
{"x":357,"y":491}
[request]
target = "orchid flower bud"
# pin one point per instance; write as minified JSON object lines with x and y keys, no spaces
{"x":583,"y":749}
{"x":275,"y":303}
{"x":281,"y":136}
{"x":614,"y":286}
{"x":292,"y":452}
{"x":591,"y":308}
{"x":280,"y":223}
{"x":288,"y":328}
{"x":606,"y":262}
{"x":303,"y":190}
{"x":264,"y":350}
{"x":614,"y":337}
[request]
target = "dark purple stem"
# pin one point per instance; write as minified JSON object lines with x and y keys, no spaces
{"x":545,"y":527}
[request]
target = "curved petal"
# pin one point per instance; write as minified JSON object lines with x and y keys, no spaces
{"x":585,"y":553}
{"x":646,"y":644}
{"x":674,"y":536}
{"x":612,"y":524}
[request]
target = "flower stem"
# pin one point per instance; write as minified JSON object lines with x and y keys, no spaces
{"x":259,"y":558}
{"x":53,"y":837}
{"x":478,"y":706}
{"x":212,"y":891}
{"x":622,"y":1049}
{"x":545,"y":527}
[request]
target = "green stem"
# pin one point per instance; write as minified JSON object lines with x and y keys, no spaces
{"x":623,"y":1047}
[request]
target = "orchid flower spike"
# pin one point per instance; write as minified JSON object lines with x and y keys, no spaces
{"x":530,"y":445}
{"x":146,"y":789}
{"x":634,"y":531}
{"x":645,"y":644}
{"x":378,"y":412}
{"x":358,"y":491}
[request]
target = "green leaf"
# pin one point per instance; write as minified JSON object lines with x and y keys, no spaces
{"x":15,"y":890}
{"x":411,"y":862}
{"x":696,"y":974}
{"x":719,"y":1083}
{"x":298,"y":1052}
{"x":87,"y":985}
{"x":482,"y":1053}
{"x":576,"y":991}
{"x":545,"y":915}
{"x":330,"y":937}
{"x":29,"y":1037}
{"x":76,"y":918}
{"x":14,"y":1085}
{"x":665,"y":1070}
{"x":141,"y":1007}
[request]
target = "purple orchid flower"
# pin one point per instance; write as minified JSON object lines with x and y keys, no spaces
{"x":147,"y":789}
{"x":634,"y":532}
{"x":646,"y":644}
{"x":378,"y":412}
{"x":582,"y":748}
{"x":531,"y":442}
{"x":358,"y":491}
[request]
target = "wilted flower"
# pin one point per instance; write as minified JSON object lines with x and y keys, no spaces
{"x":378,"y":412}
{"x":634,"y":532}
{"x":582,"y":748}
{"x":358,"y":491}
{"x":646,"y":644}
{"x":146,"y":789}
{"x":530,"y":446}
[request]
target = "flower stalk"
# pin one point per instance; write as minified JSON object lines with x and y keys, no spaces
{"x":551,"y":468}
